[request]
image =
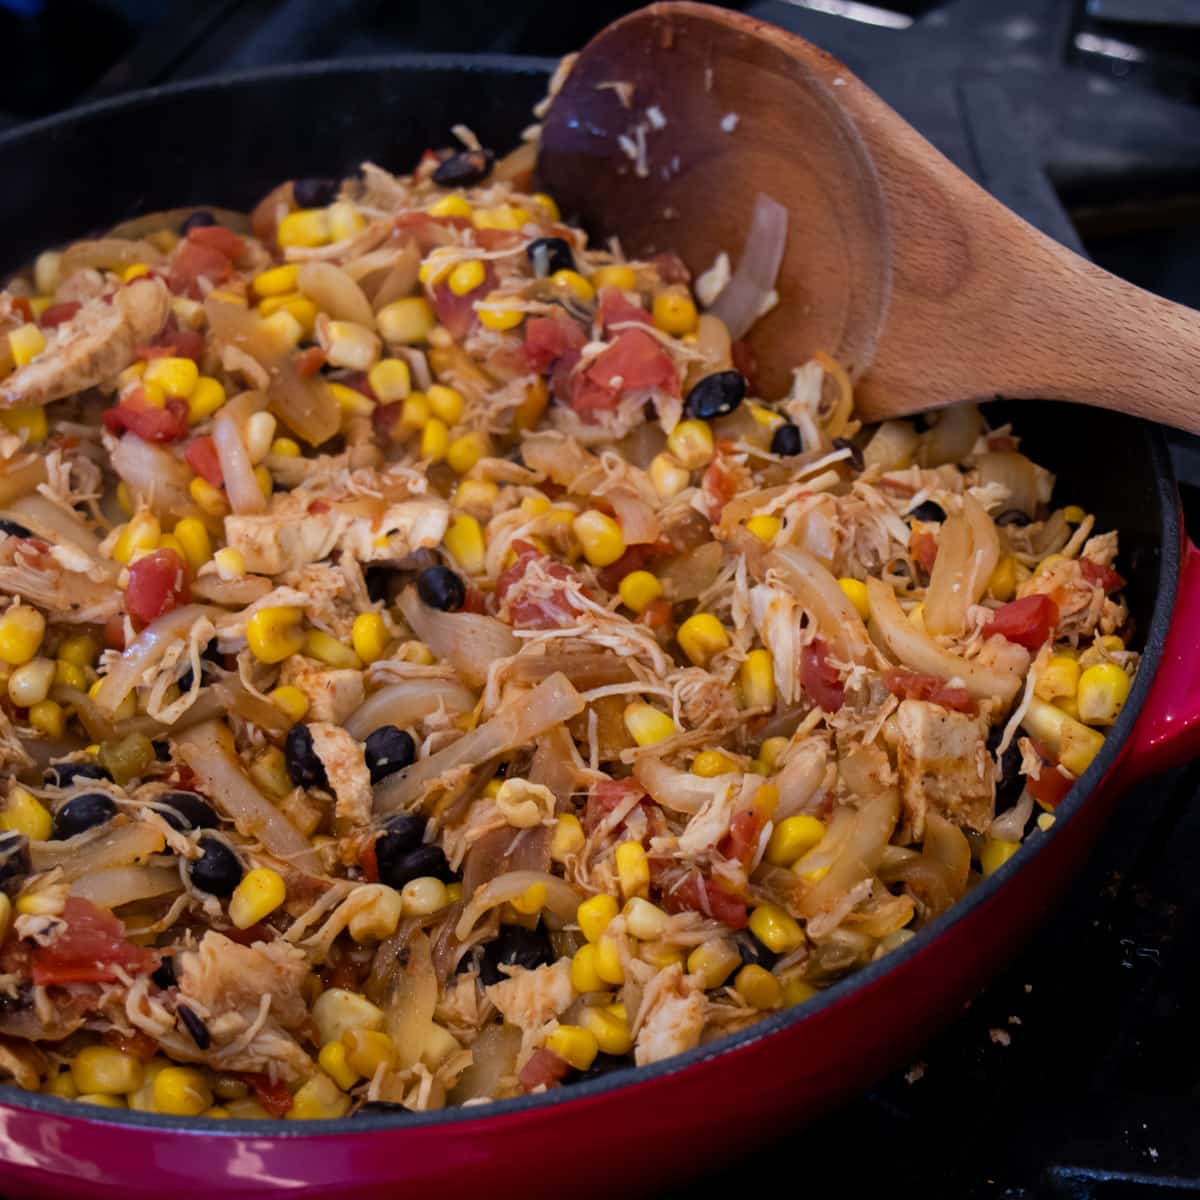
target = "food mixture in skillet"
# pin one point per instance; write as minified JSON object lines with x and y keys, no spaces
{"x":432,"y":672}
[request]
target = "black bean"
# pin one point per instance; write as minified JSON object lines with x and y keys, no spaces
{"x":188,"y":811}
{"x":515,"y":946}
{"x":162,"y":750}
{"x":217,"y":870}
{"x":549,"y":254}
{"x":464,"y":168}
{"x":195,"y":1027}
{"x":441,"y":588}
{"x":389,"y":749}
{"x":14,"y":861}
{"x":602,"y":1064}
{"x":928,"y":511}
{"x":210,"y":654}
{"x":753,"y":952}
{"x":856,"y":459}
{"x":786,"y":440}
{"x":163,"y":975}
{"x":1014,"y":516}
{"x":382,"y":583}
{"x":379,"y":1106}
{"x":198,"y":220}
{"x":716,"y":395}
{"x":303,"y":765}
{"x":63,"y":774}
{"x":315,"y":193}
{"x":81,"y":813}
{"x":1009,"y":780}
{"x":399,"y":869}
{"x":14,"y":528}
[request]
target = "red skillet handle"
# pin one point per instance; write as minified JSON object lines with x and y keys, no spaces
{"x":1168,"y":731}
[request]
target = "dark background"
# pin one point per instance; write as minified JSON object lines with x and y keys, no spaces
{"x":1078,"y":1073}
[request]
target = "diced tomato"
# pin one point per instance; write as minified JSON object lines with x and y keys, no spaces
{"x":1100,"y":575}
{"x":1029,"y":621}
{"x":543,"y":1069}
{"x":384,"y":420}
{"x":175,"y":343}
{"x":534,"y":612}
{"x":273,"y":1095}
{"x":912,"y":685}
{"x":21,"y":305}
{"x":658,"y":614}
{"x":671,"y":268}
{"x":490,"y":239}
{"x":1051,"y":785}
{"x":547,"y":339}
{"x":158,"y":425}
{"x":633,"y":360}
{"x":158,"y":583}
{"x":310,"y":361}
{"x":719,"y":486}
{"x":59,"y":314}
{"x":141,"y":1045}
{"x":369,"y":863}
{"x":635,"y":558}
{"x":616,"y":307}
{"x":317,"y":507}
{"x":473,"y":601}
{"x":741,"y":841}
{"x":745,"y":360}
{"x":923,"y":547}
{"x":114,"y":632}
{"x":820,"y":679}
{"x":607,"y":795}
{"x":457,"y":313}
{"x":698,"y":894}
{"x":89,"y":949}
{"x":194,"y":261}
{"x":217,"y":237}
{"x":201,"y":455}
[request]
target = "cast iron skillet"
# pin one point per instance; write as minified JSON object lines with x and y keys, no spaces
{"x":228,"y":141}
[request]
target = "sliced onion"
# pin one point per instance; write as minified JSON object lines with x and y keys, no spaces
{"x":636,"y":517}
{"x":820,"y":594}
{"x":947,"y":598}
{"x":800,"y":778}
{"x":306,"y":406}
{"x":561,"y":898}
{"x":562,"y":460}
{"x":114,"y":886}
{"x":109,"y":254}
{"x":99,"y":728}
{"x":408,"y":1012}
{"x":237,"y":699}
{"x":153,"y":474}
{"x":470,"y":642}
{"x":243,"y":327}
{"x":85,"y":853}
{"x":493,"y":1057}
{"x":680,"y":791}
{"x":519,"y":723}
{"x":743,"y":297}
{"x":692,"y":573}
{"x":52,"y":522}
{"x":916,"y":649}
{"x":946,"y":844}
{"x":21,"y":476}
{"x":952,"y":437}
{"x":245,"y":496}
{"x":172,"y":218}
{"x":400,"y":280}
{"x":1014,"y":472}
{"x":587,"y":669}
{"x":333,"y":291}
{"x":985,"y":548}
{"x":145,"y":653}
{"x":1009,"y":826}
{"x":407,"y":702}
{"x":208,"y":750}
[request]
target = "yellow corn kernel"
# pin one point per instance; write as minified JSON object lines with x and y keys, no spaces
{"x":230,"y":563}
{"x":529,"y":412}
{"x":169,"y":541}
{"x":1072,"y":743}
{"x":633,"y":869}
{"x":531,"y":901}
{"x":192,"y":534}
{"x":181,"y":1092}
{"x":266,"y":484}
{"x":390,"y":380}
{"x":423,"y":896}
{"x":714,"y":961}
{"x":25,"y":813}
{"x":464,"y":452}
{"x":611,"y":1032}
{"x":608,"y":962}
{"x":584,"y":977}
{"x":796,"y":990}
{"x":647,"y":726}
{"x":499,"y":319}
{"x":274,"y":633}
{"x":1002,"y":584}
{"x":548,"y":205}
{"x":305,"y":227}
{"x":80,"y":650}
{"x":574,"y":1045}
{"x":126,"y":709}
{"x":643,"y":920}
{"x":793,"y":838}
{"x":638,"y":590}
{"x":594,"y":914}
{"x":351,"y":401}
{"x":776,"y":930}
{"x":278,"y":281}
{"x":765,"y":528}
{"x":26,"y":342}
{"x":61,"y":1084}
{"x":291,"y":700}
{"x":141,"y":533}
{"x":125,"y":499}
{"x":286,"y":447}
{"x":691,"y":442}
{"x":1049,"y":562}
{"x":332,"y":1060}
{"x":48,"y":718}
{"x":479,"y":494}
{"x":668,"y":476}
{"x":503,"y":216}
{"x":349,"y":345}
{"x":259,"y":894}
{"x":464,"y":540}
{"x":259,"y":434}
{"x":105,"y":1071}
{"x":208,"y":499}
{"x":756,"y":680}
{"x":269,"y":771}
{"x":766,"y":417}
{"x":378,"y":919}
{"x":618,"y":275}
{"x":369,"y":637}
{"x":406,"y":322}
{"x":345,"y":221}
{"x":414,"y":411}
{"x":153,"y":395}
{"x":674,"y":311}
{"x":452,"y":205}
{"x":995,"y":854}
{"x":326,"y":648}
{"x":856,"y":593}
{"x":29,"y":421}
{"x":702,"y":637}
{"x":101,"y":1100}
{"x":466,"y":276}
{"x":367,"y":1050}
{"x":206,"y":398}
{"x":337,"y":1010}
{"x":1073,"y":514}
{"x":661,"y":955}
{"x":1058,"y":678}
{"x":134,"y":271}
{"x":766,"y":800}
{"x":758,"y":987}
{"x":319,"y":1098}
{"x":600,"y":536}
{"x":69,"y":675}
{"x":176,"y":376}
{"x":435,"y":440}
{"x":131,"y":375}
{"x":46,"y":271}
{"x":1103,"y":690}
{"x":708,"y":764}
{"x":448,"y":404}
{"x":21,"y":631}
{"x":576,"y":283}
{"x":568,"y":837}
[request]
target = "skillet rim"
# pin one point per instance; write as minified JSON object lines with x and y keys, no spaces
{"x":1170,"y":557}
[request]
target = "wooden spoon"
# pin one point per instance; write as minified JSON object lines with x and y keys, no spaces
{"x":896,"y":263}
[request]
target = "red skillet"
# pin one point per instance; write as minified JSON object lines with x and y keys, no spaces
{"x":230,"y":141}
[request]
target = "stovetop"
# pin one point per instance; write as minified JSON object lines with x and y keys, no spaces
{"x":1077,"y":1074}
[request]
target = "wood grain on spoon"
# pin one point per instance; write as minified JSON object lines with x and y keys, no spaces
{"x":896,"y":263}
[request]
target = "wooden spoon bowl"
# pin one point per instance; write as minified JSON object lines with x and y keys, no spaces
{"x":896,"y":263}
